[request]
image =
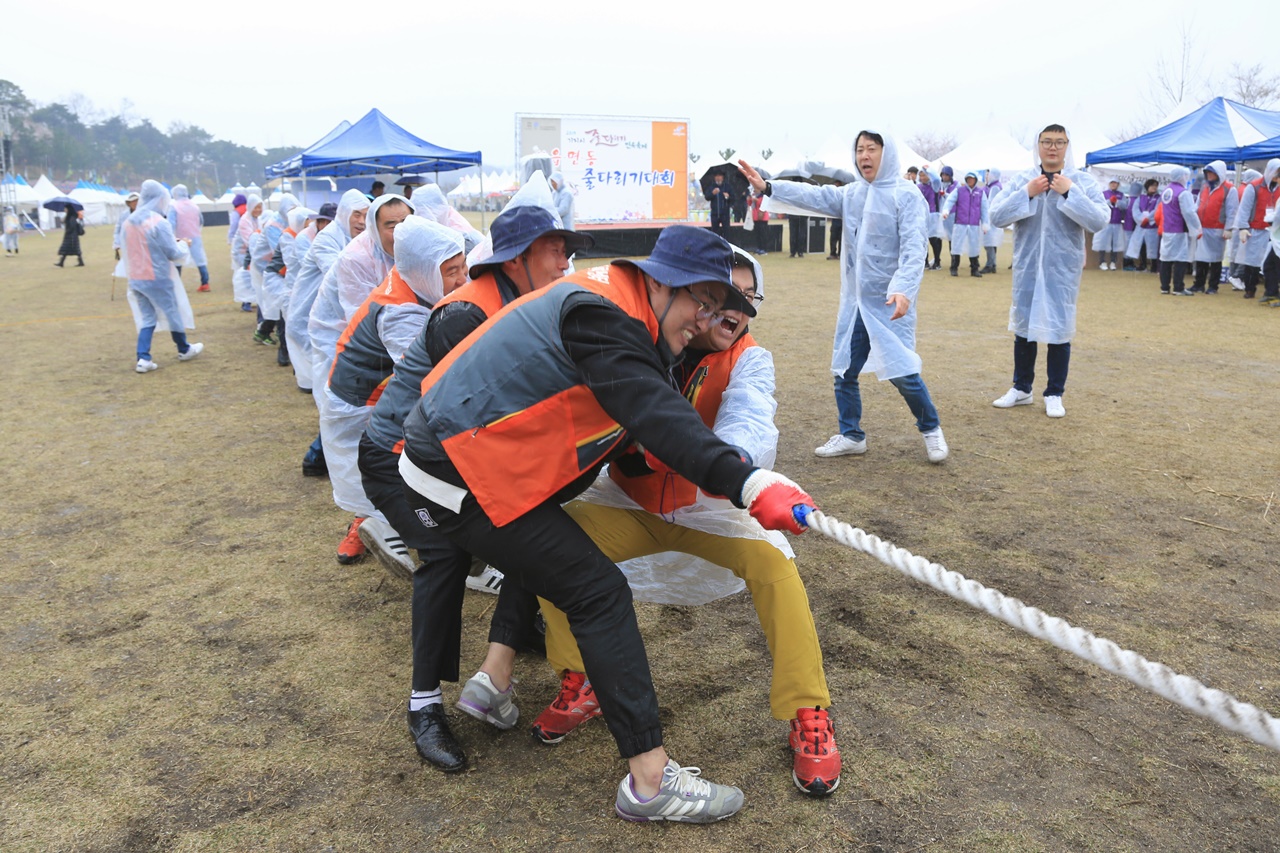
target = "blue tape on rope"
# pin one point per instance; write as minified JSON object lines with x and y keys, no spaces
{"x":801,"y":514}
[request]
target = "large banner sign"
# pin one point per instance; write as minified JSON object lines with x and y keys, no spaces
{"x":618,"y":169}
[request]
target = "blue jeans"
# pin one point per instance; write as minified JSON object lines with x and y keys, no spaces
{"x":1024,"y":366}
{"x":144,"y":341}
{"x":849,"y":397}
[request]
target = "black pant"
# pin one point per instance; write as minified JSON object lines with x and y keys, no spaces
{"x":837,"y":232}
{"x":762,"y":236}
{"x":720,"y":223}
{"x":1057,"y":361}
{"x":1271,"y":275}
{"x":440,"y":582}
{"x":1207,"y":274}
{"x":549,"y":554}
{"x":799,"y":234}
{"x":935,"y":243}
{"x":1175,"y":270}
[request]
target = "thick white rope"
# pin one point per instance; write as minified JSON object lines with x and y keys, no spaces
{"x":1183,"y":690}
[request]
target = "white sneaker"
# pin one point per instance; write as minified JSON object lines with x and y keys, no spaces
{"x":841,"y":445}
{"x":1012,"y":397}
{"x":381,"y":540}
{"x":1236,"y":283}
{"x":146,"y":365}
{"x":1112,"y":265}
{"x":1053,"y":407}
{"x":1102,"y":266}
{"x":935,"y":445}
{"x":490,"y":580}
{"x":192,"y":351}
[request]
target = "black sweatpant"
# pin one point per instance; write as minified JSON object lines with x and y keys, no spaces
{"x":1175,"y":271}
{"x":546,"y":552}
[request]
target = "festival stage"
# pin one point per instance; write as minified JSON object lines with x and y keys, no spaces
{"x":636,"y":239}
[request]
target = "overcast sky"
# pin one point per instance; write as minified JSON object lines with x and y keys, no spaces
{"x":748,"y":76}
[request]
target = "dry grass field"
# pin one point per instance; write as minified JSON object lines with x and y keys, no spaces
{"x":186,"y":667}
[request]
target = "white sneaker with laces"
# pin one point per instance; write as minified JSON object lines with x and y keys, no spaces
{"x":1103,"y":266}
{"x":382,"y":540}
{"x":841,"y":445}
{"x":146,"y":365}
{"x":1236,"y":283}
{"x":490,"y":580}
{"x":1053,"y":407}
{"x":935,"y":445}
{"x":192,"y":351}
{"x":1012,"y":397}
{"x":1112,"y":265}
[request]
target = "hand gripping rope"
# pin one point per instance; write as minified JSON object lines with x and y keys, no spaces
{"x":1223,"y":709}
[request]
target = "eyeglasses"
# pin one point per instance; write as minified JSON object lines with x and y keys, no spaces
{"x":1053,"y":143}
{"x":753,"y":297}
{"x":706,"y":310}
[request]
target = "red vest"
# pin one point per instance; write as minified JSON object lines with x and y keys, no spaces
{"x":666,"y":493}
{"x":1209,"y":206}
{"x":482,"y":292}
{"x":1263,"y":198}
{"x":519,"y":441}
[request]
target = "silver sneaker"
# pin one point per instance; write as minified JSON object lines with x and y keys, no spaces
{"x":935,"y":445}
{"x":1012,"y":397}
{"x":485,"y":702}
{"x":683,"y":796}
{"x":383,"y":542}
{"x":841,"y":445}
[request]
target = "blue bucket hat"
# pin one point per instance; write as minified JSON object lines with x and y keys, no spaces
{"x":514,"y":231}
{"x":685,"y":255}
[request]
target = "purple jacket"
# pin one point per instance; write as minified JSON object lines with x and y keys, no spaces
{"x":930,"y":197}
{"x":968,"y":205}
{"x":1173,"y":221}
{"x":1147,"y":204}
{"x":1117,"y":210}
{"x":1129,"y":221}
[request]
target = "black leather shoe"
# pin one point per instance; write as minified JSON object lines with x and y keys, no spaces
{"x":436,"y":744}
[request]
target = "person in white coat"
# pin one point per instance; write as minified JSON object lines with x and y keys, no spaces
{"x":241,"y":277}
{"x":12,"y":227}
{"x":151,"y":250}
{"x":1255,"y":217}
{"x":885,"y":232}
{"x":1050,"y":207}
{"x":995,"y":236}
{"x":966,"y":211}
{"x":1180,"y":229}
{"x":563,"y":199}
{"x":188,"y":224}
{"x":1216,"y":206}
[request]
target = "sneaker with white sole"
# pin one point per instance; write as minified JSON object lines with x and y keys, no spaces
{"x":490,"y":580}
{"x":1012,"y":397}
{"x":192,"y":351}
{"x":683,"y":796}
{"x":1053,"y":407}
{"x":482,"y":700}
{"x":935,"y":445}
{"x":841,"y":445}
{"x":1236,"y":283}
{"x":146,"y":365}
{"x":382,"y":541}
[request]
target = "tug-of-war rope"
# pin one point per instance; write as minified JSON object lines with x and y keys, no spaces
{"x":1222,"y":708}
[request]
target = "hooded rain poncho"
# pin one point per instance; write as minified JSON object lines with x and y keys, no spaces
{"x":1048,"y":248}
{"x":966,"y":239}
{"x":1254,"y":248}
{"x":1179,"y":245}
{"x":563,"y":200}
{"x":994,"y":236}
{"x":885,"y":225}
{"x":1212,"y":244}
{"x":155,"y":294}
{"x":241,"y":278}
{"x":429,"y":203}
{"x":187,"y":221}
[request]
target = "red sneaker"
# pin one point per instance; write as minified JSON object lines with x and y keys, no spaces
{"x":816,"y":767}
{"x":204,"y":288}
{"x":574,"y":706}
{"x":351,"y":549}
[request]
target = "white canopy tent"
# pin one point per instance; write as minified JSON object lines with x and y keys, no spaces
{"x":989,"y":149}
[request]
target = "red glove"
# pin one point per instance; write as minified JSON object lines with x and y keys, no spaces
{"x":772,"y":500}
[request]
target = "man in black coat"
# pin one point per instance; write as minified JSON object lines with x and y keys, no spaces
{"x":721,"y":203}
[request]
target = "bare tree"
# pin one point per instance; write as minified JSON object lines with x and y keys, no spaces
{"x":1176,"y":77}
{"x":932,"y":145}
{"x":1252,"y":86}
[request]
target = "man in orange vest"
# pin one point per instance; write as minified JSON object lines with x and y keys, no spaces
{"x":635,"y":513}
{"x":521,"y":417}
{"x":1216,"y":207}
{"x":1253,"y":220}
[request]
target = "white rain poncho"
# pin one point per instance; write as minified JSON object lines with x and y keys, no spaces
{"x":429,"y":203}
{"x":535,"y":192}
{"x":885,"y":225}
{"x":563,"y":199}
{"x":967,"y":239}
{"x":12,"y":226}
{"x":421,"y":246}
{"x":314,"y":265}
{"x":187,"y":222}
{"x":262,"y":247}
{"x":1112,"y":237}
{"x":1253,"y":249}
{"x":155,"y":293}
{"x":745,"y":420}
{"x":1177,"y":246}
{"x":994,"y":236}
{"x":1048,"y":248}
{"x":241,"y":278}
{"x":1213,"y":241}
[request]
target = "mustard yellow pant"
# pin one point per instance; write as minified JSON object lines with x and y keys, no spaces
{"x":772,"y":579}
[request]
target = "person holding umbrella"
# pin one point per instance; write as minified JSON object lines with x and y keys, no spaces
{"x":73,"y":228}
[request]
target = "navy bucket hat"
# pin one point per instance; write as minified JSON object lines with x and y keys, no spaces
{"x":686,"y":255}
{"x":515,"y":230}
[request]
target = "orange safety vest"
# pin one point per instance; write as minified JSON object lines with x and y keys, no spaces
{"x":1209,"y":206}
{"x":666,"y":493}
{"x":362,"y":366}
{"x":482,"y":292}
{"x":520,"y":439}
{"x":1262,"y":199}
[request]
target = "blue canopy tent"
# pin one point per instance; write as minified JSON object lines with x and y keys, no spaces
{"x":1219,"y":130}
{"x":1264,"y":150}
{"x":290,"y":164}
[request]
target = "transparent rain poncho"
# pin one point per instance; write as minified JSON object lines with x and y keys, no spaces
{"x":313,"y":265}
{"x":563,"y":199}
{"x":187,"y":220}
{"x":745,"y":420}
{"x":421,"y":247}
{"x":429,"y":203}
{"x":241,"y":278}
{"x":1253,"y":250}
{"x":994,"y":236}
{"x":967,"y":239}
{"x":1213,"y":241}
{"x":535,"y":192}
{"x":1048,"y":248}
{"x":885,"y":224}
{"x":1179,"y":245}
{"x":155,"y":294}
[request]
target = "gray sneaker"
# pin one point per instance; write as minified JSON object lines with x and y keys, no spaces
{"x":683,"y":796}
{"x":485,"y":702}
